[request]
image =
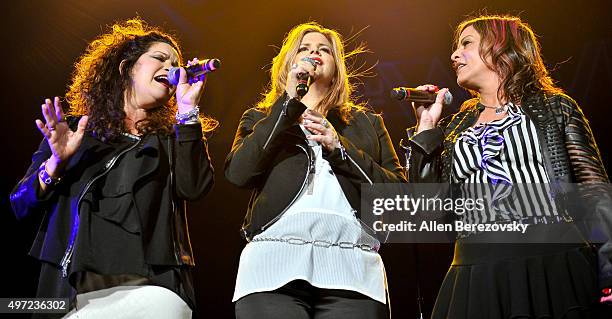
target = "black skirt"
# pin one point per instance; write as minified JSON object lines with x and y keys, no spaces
{"x":519,"y":280}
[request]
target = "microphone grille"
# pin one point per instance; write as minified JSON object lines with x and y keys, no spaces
{"x":397,"y":94}
{"x":448,"y":98}
{"x":173,"y":75}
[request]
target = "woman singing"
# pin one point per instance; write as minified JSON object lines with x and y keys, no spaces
{"x":305,"y":159}
{"x":112,"y":179}
{"x":519,"y":129}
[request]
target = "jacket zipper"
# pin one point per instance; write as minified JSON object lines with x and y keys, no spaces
{"x":359,"y":168}
{"x":65,"y":262}
{"x":171,"y":164}
{"x":283,"y":112}
{"x":308,"y":169}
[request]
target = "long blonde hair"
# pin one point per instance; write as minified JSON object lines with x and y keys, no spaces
{"x":340,"y":94}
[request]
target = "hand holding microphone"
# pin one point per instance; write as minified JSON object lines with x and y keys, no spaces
{"x":300,"y":76}
{"x":427,"y":101}
{"x":189,"y":81}
{"x":195,"y":71}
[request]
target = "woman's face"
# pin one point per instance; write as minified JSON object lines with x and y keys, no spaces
{"x":150,"y":86}
{"x":472,"y":72}
{"x":316,"y":46}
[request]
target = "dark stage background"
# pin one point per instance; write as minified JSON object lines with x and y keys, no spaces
{"x":410,"y":40}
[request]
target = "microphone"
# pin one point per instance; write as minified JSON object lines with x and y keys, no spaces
{"x":203,"y":67}
{"x":418,"y":96}
{"x":304,"y":79}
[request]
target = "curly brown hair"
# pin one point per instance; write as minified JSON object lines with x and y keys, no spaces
{"x":515,"y":56}
{"x":98,"y":85}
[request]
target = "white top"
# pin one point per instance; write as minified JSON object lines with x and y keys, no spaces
{"x":321,"y":214}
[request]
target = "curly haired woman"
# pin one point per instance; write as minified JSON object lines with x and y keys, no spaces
{"x":112,"y":180}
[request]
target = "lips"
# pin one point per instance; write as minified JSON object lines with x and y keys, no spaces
{"x":458,"y":65}
{"x":318,"y":60}
{"x":163,"y":79}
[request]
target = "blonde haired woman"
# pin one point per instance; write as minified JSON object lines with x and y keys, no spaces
{"x":305,"y":159}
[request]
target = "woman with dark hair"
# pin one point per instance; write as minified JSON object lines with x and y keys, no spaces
{"x":305,"y":158}
{"x":112,"y":179}
{"x":519,"y":129}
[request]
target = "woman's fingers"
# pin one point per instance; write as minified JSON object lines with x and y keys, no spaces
{"x":51,"y":110}
{"x":440,"y":95}
{"x":318,"y":138}
{"x":302,"y":67}
{"x":43,"y":129}
{"x":46,"y":113}
{"x":427,"y":87}
{"x":317,"y":127}
{"x":313,"y":116}
{"x":59,"y":113}
{"x":82,"y":125}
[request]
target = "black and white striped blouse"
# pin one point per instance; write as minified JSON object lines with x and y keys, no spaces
{"x":505,"y":159}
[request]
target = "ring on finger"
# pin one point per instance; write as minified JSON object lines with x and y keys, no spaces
{"x":51,"y":128}
{"x":294,"y":66}
{"x":325,"y":123}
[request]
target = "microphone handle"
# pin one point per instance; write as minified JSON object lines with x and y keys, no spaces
{"x":418,"y":96}
{"x":193,"y":71}
{"x":303,"y":84}
{"x":206,"y":66}
{"x":304,"y":79}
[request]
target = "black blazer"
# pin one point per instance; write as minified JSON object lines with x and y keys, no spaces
{"x":270,"y":156}
{"x":173,"y":169}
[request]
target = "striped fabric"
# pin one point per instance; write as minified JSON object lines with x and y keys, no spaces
{"x":492,"y":159}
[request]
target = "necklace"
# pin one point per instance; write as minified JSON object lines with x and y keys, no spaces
{"x":498,"y":109}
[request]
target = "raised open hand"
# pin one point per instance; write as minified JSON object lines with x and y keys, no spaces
{"x":63,"y":142}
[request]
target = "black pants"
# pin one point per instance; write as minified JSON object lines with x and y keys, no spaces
{"x":300,"y":300}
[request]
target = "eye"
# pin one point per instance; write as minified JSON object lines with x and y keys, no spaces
{"x":160,"y":58}
{"x":466,"y":42}
{"x":302,"y":49}
{"x":326,"y":50}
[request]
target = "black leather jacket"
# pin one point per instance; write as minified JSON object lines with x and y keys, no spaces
{"x":567,"y":144}
{"x":270,"y":155}
{"x":171,"y":170}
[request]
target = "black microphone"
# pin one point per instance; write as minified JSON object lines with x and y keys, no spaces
{"x":193,"y":71}
{"x":304,"y":79}
{"x":418,"y":96}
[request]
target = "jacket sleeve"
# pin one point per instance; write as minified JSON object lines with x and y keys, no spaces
{"x":255,"y":139}
{"x":589,"y":172}
{"x":360,"y":167}
{"x":26,"y":197}
{"x":424,"y":153}
{"x":193,"y":168}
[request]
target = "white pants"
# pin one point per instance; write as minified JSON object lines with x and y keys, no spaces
{"x":127,"y":302}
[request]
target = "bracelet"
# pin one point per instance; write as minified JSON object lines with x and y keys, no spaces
{"x":45,"y":177}
{"x":190,"y":117}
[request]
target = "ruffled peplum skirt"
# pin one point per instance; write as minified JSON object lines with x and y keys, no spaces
{"x":519,"y":280}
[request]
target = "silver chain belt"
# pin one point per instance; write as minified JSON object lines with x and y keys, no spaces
{"x":319,"y":243}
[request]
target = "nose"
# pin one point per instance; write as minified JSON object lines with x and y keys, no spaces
{"x":455,"y":55}
{"x":315,"y":51}
{"x":167,"y":65}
